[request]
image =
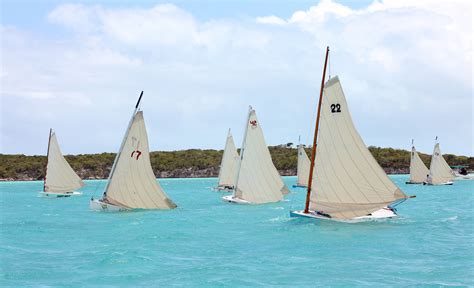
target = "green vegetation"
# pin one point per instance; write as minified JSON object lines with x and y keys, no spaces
{"x":195,"y":163}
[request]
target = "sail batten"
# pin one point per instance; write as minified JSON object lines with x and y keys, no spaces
{"x":303,"y":167}
{"x":348,"y":182}
{"x":439,"y":172}
{"x":60,"y":177}
{"x":132,"y":183}
{"x":257,"y":179}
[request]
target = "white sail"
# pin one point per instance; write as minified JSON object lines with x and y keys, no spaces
{"x":440,"y":172}
{"x":258,"y":180}
{"x":229,"y":163}
{"x":60,"y":177}
{"x":348,"y":182}
{"x":132,"y":183}
{"x":418,"y":170}
{"x":303,"y":167}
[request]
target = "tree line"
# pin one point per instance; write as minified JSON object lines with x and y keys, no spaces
{"x":196,"y":163}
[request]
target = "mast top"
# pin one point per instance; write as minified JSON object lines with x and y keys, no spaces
{"x":139,"y":99}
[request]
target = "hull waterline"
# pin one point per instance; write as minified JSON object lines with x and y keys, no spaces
{"x":384,"y":213}
{"x":221,"y":189}
{"x":59,"y":195}
{"x":440,"y":184}
{"x":98,"y":205}
{"x":234,"y":200}
{"x":299,"y":186}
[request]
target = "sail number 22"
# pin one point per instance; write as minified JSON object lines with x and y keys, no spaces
{"x":335,"y":108}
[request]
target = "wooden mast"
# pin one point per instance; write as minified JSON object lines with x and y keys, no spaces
{"x":313,"y":154}
{"x":47,"y":158}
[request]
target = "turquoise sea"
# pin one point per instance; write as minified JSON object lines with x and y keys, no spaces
{"x":208,"y":243}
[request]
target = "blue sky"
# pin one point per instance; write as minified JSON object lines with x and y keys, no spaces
{"x":406,"y":68}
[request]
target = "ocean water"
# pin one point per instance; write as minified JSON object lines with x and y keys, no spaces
{"x":208,"y":243}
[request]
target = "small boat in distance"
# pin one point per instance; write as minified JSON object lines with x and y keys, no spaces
{"x":132,"y":183}
{"x":462,"y":174}
{"x":345,"y":182}
{"x":59,"y":180}
{"x":228,"y":168}
{"x":418,"y":170}
{"x":440,"y":173}
{"x":302,"y":169}
{"x":257,"y":180}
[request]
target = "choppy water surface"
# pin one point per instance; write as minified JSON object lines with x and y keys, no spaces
{"x":205,"y":242}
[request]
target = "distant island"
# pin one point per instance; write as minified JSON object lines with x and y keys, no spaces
{"x":194,"y":163}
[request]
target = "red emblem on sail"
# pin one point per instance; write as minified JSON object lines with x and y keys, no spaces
{"x":253,"y":123}
{"x":138,"y":146}
{"x":138,"y":153}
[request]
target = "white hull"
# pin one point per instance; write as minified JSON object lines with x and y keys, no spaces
{"x":464,"y":177}
{"x":440,"y":184}
{"x":235,"y":200}
{"x":59,"y":195}
{"x":383,"y":213}
{"x":97,"y":205}
{"x":221,"y":189}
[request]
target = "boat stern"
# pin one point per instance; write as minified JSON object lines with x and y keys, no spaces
{"x":98,"y":205}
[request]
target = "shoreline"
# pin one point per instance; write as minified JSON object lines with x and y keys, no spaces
{"x":196,"y":163}
{"x":186,"y":177}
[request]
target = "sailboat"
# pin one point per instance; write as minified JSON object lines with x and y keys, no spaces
{"x":257,"y":180}
{"x":345,"y":182}
{"x":440,"y":173}
{"x":462,"y":174}
{"x":418,"y":170}
{"x":228,"y":168}
{"x":132,"y":183}
{"x":60,"y":180}
{"x":302,"y":170}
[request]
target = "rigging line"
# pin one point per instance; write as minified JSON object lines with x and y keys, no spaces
{"x":96,"y":188}
{"x":329,"y":67}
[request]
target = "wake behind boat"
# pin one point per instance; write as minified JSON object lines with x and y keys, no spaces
{"x":257,"y":180}
{"x":59,"y":180}
{"x":345,"y":182}
{"x":131,"y":183}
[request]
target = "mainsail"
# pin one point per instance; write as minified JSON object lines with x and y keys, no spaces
{"x":418,"y":170}
{"x":132,"y":183}
{"x":303,"y":167}
{"x":257,"y":180}
{"x":348,"y":182}
{"x":440,"y":172}
{"x":229,"y":163}
{"x":60,"y":177}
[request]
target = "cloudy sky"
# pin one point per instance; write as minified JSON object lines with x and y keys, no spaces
{"x":406,"y":68}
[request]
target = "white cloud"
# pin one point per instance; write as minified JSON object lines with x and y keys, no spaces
{"x":405,"y":67}
{"x":271,"y":20}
